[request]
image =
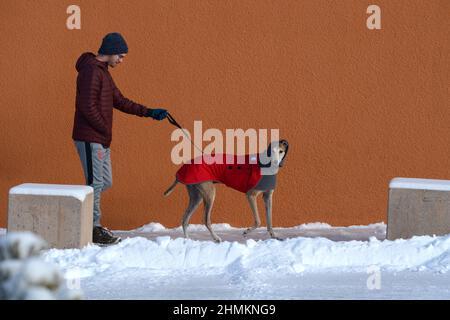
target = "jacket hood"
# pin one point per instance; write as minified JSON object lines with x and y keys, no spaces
{"x":88,"y":58}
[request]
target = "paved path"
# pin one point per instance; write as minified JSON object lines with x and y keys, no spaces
{"x":235,"y":234}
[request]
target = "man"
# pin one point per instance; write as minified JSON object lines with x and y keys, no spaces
{"x":96,"y":97}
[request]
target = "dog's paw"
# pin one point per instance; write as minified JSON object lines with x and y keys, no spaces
{"x":277,"y":238}
{"x":273,"y":236}
{"x":217,"y":240}
{"x":248,"y":230}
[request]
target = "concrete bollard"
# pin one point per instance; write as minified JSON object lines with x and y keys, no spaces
{"x":61,"y":214}
{"x":418,"y":207}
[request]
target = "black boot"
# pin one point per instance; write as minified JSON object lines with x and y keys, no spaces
{"x":102,"y":235}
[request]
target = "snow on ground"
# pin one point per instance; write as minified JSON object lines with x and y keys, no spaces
{"x":228,"y":233}
{"x":315,"y":261}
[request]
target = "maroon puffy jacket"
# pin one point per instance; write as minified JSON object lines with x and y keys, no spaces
{"x":97,"y":95}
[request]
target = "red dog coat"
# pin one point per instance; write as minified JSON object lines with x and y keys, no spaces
{"x":241,"y":177}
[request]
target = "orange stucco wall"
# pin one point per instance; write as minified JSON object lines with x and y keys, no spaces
{"x":358,"y":106}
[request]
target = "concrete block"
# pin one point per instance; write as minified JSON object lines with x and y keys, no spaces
{"x":60,"y":214}
{"x":418,"y":207}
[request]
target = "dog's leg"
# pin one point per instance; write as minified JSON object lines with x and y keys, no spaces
{"x":251,"y":197}
{"x":208,"y":191}
{"x":194,"y":201}
{"x":267,"y":196}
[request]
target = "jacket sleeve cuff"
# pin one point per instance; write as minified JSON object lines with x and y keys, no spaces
{"x":148,"y":112}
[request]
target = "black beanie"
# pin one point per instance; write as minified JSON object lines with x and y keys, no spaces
{"x":113,"y":43}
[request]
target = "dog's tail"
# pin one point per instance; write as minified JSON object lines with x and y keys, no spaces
{"x":169,"y":191}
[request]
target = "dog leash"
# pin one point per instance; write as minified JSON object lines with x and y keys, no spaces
{"x":176,"y":124}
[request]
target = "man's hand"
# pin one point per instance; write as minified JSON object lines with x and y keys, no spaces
{"x":157,"y":114}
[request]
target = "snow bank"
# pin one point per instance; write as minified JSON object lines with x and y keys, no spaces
{"x":313,"y":225}
{"x":293,"y":255}
{"x":157,"y":227}
{"x":23,"y":273}
{"x":151,"y":227}
{"x":20,"y":245}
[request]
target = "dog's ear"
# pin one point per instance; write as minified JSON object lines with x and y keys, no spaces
{"x":286,"y":144}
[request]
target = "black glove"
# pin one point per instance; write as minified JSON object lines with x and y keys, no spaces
{"x":157,"y":114}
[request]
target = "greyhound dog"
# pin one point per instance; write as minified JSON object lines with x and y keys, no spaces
{"x":206,"y":191}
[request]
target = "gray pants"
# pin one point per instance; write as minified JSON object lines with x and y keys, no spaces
{"x":96,"y":162}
